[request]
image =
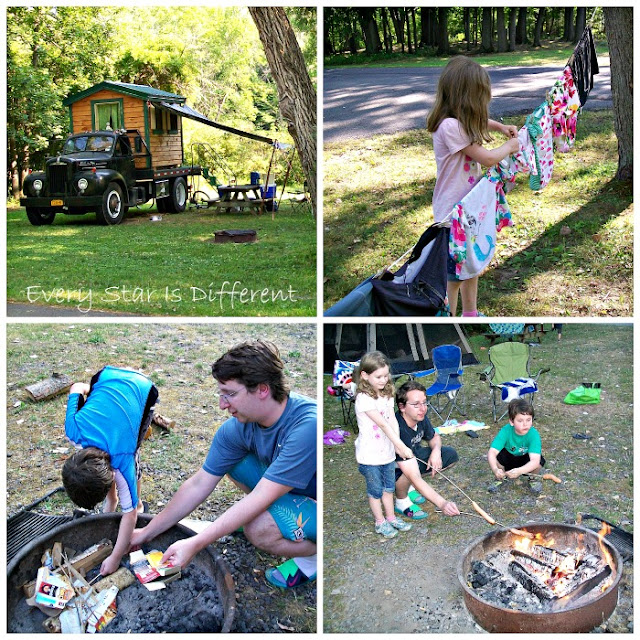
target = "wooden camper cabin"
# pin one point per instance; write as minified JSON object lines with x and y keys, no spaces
{"x":119,"y":105}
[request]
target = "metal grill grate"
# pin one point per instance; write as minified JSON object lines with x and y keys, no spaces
{"x":619,"y":538}
{"x":27,"y":526}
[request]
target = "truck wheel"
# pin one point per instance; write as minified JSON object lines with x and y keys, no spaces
{"x":38,"y":217}
{"x":178,"y":196}
{"x":113,"y":207}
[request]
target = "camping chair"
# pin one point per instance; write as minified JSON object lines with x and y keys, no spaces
{"x":508,"y":374}
{"x":344,"y":387}
{"x":444,"y":393}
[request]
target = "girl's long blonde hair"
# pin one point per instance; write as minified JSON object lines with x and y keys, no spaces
{"x":370,"y":362}
{"x":464,"y":93}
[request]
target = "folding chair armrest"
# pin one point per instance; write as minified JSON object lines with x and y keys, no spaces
{"x":485,"y":373}
{"x":545,"y":370}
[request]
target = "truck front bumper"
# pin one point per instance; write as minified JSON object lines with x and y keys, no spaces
{"x":62,"y":203}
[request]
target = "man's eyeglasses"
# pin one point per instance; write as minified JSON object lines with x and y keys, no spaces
{"x":418,"y":404}
{"x":227,"y":396}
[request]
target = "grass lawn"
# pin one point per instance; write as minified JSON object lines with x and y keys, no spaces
{"x":554,"y":52}
{"x":597,"y":477}
{"x":168,"y":268}
{"x":570,"y":251}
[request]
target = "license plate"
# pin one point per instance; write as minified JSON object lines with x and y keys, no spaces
{"x":57,"y":203}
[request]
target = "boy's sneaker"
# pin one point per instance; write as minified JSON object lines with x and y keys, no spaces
{"x":413,"y":512}
{"x":535,"y":486}
{"x":416,"y":497}
{"x":495,"y":486}
{"x":400,"y":525}
{"x":287,"y":575}
{"x":385,"y":529}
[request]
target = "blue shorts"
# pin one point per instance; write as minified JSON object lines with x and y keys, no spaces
{"x":381,"y":478}
{"x":295,"y":515}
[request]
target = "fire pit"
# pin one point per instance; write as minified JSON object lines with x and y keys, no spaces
{"x":565,"y":580}
{"x":202,"y":600}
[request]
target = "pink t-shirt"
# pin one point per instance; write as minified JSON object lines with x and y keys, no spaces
{"x":457,"y":172}
{"x":372,"y":445}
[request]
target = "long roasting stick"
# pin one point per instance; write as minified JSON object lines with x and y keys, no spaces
{"x":474,"y":504}
{"x":545,"y":476}
{"x":517,"y":532}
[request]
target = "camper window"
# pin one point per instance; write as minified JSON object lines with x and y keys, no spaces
{"x":107,"y":116}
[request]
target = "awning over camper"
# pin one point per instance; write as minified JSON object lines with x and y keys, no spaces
{"x":192,"y":114}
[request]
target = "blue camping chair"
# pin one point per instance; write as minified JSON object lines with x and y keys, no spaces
{"x":444,"y":393}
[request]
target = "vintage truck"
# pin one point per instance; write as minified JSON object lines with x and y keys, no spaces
{"x":96,"y":171}
{"x":125,"y":149}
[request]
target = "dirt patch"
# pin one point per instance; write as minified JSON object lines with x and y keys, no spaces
{"x":177,"y":358}
{"x":409,"y":584}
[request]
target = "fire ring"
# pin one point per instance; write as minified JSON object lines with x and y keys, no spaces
{"x":84,"y":532}
{"x":579,"y":616}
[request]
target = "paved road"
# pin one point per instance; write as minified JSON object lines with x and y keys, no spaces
{"x":19,"y":310}
{"x":362,"y":102}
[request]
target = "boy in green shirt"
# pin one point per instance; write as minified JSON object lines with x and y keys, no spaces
{"x":517,"y":449}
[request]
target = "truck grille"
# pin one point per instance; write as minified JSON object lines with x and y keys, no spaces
{"x":57,"y":179}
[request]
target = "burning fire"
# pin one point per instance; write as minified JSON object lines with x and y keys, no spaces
{"x":605,"y":530}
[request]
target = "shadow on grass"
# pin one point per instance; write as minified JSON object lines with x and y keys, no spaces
{"x":557,"y":248}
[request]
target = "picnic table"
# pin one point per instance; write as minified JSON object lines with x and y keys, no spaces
{"x":239,"y":196}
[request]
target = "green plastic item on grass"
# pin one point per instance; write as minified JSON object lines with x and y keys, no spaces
{"x":583,"y":395}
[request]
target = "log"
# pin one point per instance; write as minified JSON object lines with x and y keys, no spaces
{"x":165,"y":423}
{"x":58,"y":383}
{"x":122,"y":579}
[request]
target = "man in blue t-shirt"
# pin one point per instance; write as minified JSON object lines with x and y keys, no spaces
{"x":268,"y":449}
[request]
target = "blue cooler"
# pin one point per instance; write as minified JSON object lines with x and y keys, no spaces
{"x":270,"y":194}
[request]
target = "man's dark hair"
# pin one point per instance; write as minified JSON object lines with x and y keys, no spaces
{"x":252,"y":364}
{"x":87,"y":476}
{"x":520,"y":405}
{"x":403,"y":391}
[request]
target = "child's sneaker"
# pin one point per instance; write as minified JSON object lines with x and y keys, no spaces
{"x":385,"y":529}
{"x":535,"y":486}
{"x":400,"y":525}
{"x":495,"y":486}
{"x":413,"y":512}
{"x":417,"y":497}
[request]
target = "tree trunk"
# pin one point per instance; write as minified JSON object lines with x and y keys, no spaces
{"x":618,"y":25}
{"x":521,"y":28}
{"x":297,"y":97}
{"x":487,"y":35}
{"x":370,"y":30}
{"x":409,"y":36}
{"x":475,"y":26}
{"x":538,"y":30}
{"x":568,"y":31}
{"x":581,"y":23}
{"x":502,"y":32}
{"x":397,"y":17}
{"x":513,"y":16}
{"x":388,"y":44}
{"x":467,"y":27}
{"x":425,"y":23}
{"x":443,"y":33}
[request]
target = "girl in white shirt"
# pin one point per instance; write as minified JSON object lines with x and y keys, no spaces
{"x":378,"y":440}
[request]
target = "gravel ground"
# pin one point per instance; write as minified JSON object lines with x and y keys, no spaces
{"x":177,"y":358}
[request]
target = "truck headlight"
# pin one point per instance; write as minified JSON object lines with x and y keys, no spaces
{"x":83,"y":184}
{"x":37,"y":185}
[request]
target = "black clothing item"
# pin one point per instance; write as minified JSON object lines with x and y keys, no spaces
{"x":509,"y":461}
{"x":584,"y":65}
{"x":424,"y":431}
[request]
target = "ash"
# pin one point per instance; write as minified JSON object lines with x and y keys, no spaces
{"x":190,"y":604}
{"x":492,"y":582}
